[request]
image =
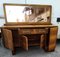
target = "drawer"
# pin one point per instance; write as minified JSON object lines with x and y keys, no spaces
{"x":25,"y":31}
{"x":41,"y":31}
{"x":33,"y":31}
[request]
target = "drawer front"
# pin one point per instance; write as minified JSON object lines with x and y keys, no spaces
{"x":25,"y":31}
{"x":41,"y":31}
{"x":32,"y":31}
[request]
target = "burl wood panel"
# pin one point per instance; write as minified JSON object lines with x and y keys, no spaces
{"x":42,"y":41}
{"x":52,"y":38}
{"x":8,"y":39}
{"x":24,"y":42}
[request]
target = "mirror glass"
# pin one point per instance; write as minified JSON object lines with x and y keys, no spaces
{"x":27,"y":13}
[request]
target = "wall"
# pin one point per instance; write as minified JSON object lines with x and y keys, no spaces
{"x":2,"y":21}
{"x":55,"y":8}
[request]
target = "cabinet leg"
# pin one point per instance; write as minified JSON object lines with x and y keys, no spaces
{"x":47,"y":50}
{"x":13,"y":52}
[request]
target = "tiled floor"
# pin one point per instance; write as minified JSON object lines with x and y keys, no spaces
{"x":32,"y":52}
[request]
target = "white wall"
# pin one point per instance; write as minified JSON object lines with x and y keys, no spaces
{"x":2,"y":21}
{"x":55,"y":8}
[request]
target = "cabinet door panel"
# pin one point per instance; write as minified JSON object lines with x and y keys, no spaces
{"x":24,"y":42}
{"x":42,"y":42}
{"x":8,"y":38}
{"x":52,"y":38}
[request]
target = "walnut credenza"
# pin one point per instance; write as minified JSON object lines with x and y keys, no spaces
{"x":24,"y":36}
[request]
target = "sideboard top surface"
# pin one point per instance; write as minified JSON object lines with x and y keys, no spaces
{"x":29,"y":26}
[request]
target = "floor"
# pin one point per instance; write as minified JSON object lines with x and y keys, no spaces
{"x":32,"y":52}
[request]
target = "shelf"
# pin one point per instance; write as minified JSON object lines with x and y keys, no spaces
{"x":34,"y":42}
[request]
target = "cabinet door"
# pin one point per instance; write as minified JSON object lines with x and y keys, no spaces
{"x":52,"y":38}
{"x":24,"y":42}
{"x":42,"y":41}
{"x":8,"y":40}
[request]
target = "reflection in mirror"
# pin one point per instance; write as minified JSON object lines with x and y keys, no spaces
{"x":27,"y":13}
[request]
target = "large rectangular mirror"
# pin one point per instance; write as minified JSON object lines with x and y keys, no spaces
{"x":27,"y":13}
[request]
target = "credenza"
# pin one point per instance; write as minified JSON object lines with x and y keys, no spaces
{"x":25,"y":36}
{"x":28,"y":25}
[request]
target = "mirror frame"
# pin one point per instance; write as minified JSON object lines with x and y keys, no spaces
{"x":27,"y":23}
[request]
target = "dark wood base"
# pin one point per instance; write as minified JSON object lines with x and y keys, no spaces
{"x":13,"y":52}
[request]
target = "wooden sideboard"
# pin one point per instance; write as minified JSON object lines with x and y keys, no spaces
{"x":34,"y":29}
{"x":25,"y":36}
